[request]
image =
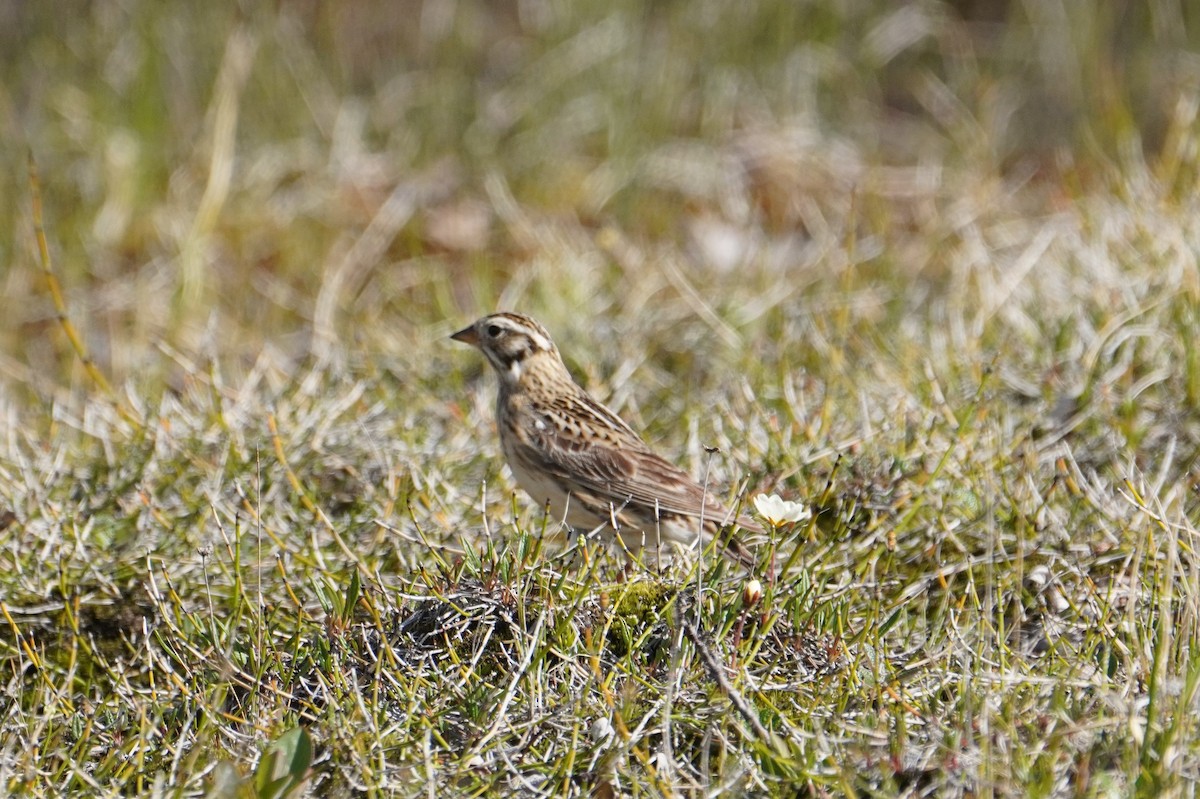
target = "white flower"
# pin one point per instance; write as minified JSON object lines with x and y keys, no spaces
{"x":779,"y":511}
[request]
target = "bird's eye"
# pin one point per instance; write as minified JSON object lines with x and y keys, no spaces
{"x":493,"y":331}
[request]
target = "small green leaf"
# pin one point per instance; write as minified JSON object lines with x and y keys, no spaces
{"x":352,"y":593}
{"x":284,"y":765}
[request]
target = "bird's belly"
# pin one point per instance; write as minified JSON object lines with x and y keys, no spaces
{"x":548,"y":493}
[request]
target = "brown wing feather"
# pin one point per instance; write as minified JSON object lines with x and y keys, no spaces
{"x":621,"y":468}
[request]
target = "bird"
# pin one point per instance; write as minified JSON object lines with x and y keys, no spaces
{"x":585,"y":464}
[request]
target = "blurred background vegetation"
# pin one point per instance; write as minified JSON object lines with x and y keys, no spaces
{"x":316,"y":176}
{"x":928,"y":268}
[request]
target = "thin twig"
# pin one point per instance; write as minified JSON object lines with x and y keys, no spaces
{"x":52,"y":284}
{"x":718,"y":672}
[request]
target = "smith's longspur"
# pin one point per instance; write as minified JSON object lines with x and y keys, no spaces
{"x":575,"y":456}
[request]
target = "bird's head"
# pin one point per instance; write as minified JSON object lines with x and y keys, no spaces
{"x":517,"y":346}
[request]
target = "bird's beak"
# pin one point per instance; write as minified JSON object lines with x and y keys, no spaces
{"x":467,"y":336}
